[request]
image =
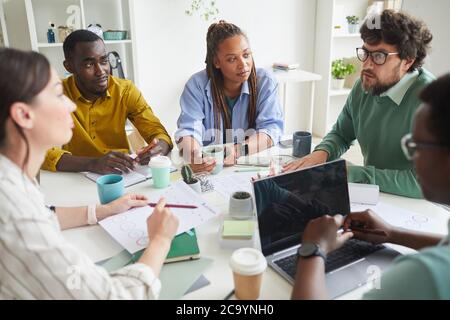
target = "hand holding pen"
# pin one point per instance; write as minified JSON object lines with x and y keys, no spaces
{"x":145,"y":154}
{"x":368,"y":226}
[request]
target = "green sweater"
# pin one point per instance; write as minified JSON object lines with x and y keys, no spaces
{"x":379,"y":123}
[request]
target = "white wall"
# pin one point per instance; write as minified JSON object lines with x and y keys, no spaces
{"x":435,"y":14}
{"x":171,"y":47}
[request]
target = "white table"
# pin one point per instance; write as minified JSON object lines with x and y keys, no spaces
{"x":72,"y":189}
{"x":297,"y":76}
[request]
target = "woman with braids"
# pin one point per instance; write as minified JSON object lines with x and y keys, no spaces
{"x":36,"y":262}
{"x":230,"y":102}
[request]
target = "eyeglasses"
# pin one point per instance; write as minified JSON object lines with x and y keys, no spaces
{"x":378,"y":57}
{"x":409,"y":146}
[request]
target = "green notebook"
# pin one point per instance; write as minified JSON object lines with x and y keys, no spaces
{"x":183,"y":247}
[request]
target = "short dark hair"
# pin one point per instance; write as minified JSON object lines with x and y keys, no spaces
{"x":411,"y":36}
{"x":75,"y":37}
{"x":437,"y":96}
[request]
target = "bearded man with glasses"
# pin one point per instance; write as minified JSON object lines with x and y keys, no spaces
{"x":380,"y":108}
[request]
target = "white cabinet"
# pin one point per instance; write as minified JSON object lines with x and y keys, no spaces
{"x":3,"y":32}
{"x":110,"y":14}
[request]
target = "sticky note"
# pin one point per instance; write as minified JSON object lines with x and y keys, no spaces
{"x":232,"y":228}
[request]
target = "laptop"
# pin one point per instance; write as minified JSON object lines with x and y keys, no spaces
{"x":286,"y":203}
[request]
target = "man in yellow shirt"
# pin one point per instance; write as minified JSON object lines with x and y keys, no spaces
{"x":104,"y":103}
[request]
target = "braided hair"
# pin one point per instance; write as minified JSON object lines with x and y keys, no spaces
{"x":217,"y":33}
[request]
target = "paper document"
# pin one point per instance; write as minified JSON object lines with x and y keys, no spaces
{"x":140,"y":174}
{"x":226,"y":185}
{"x":129,"y":229}
{"x":402,"y":218}
{"x":363,"y":193}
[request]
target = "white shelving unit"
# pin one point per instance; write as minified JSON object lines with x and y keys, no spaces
{"x":333,"y":44}
{"x":4,"y":42}
{"x":110,"y":14}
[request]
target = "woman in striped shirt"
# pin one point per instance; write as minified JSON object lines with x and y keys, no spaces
{"x":35,"y":260}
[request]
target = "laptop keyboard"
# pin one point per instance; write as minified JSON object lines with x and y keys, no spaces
{"x":352,"y":251}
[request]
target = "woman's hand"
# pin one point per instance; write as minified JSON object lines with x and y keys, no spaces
{"x":361,"y":223}
{"x":324,"y":232}
{"x":202,"y":164}
{"x":162,"y":224}
{"x":120,"y":205}
{"x":231,"y":156}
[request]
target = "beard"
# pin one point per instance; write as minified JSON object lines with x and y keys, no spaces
{"x":378,"y":87}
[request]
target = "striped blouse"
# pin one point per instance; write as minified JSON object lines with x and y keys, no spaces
{"x":36,"y":262}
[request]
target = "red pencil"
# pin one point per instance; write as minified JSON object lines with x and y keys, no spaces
{"x":180,"y":206}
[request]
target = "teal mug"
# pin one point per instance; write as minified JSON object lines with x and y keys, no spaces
{"x":110,"y":187}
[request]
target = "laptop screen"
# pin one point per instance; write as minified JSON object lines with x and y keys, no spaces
{"x":286,"y":203}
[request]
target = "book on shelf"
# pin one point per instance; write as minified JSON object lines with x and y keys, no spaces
{"x":285,"y":66}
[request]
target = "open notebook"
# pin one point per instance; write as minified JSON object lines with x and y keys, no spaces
{"x":140,"y":174}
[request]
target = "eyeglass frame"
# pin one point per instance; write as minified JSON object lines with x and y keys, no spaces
{"x":370,"y":54}
{"x":408,"y":143}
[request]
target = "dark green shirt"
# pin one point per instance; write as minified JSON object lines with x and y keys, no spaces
{"x":379,"y":123}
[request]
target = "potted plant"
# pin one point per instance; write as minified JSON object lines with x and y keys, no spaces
{"x":189,"y":179}
{"x":353,"y":24}
{"x":206,"y":8}
{"x":339,"y":70}
{"x":241,"y":205}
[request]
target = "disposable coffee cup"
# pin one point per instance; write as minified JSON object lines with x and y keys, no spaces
{"x":110,"y":187}
{"x":301,"y":144}
{"x":160,"y":167}
{"x":248,"y":266}
{"x":216,"y":152}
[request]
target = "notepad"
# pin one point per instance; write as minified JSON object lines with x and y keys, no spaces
{"x":183,"y":247}
{"x":140,"y":174}
{"x":238,"y":229}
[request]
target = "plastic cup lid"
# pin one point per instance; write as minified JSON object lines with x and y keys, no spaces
{"x":160,"y":162}
{"x":248,"y":262}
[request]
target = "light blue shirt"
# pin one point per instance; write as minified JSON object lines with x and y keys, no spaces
{"x":398,"y":91}
{"x":197,"y":115}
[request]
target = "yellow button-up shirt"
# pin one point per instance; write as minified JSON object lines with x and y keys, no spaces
{"x":100,"y":125}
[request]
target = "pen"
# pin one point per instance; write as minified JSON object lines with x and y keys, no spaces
{"x":229,"y":295}
{"x":369,"y":231}
{"x":180,"y":206}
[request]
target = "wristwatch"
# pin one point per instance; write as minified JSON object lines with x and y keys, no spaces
{"x":242,"y":149}
{"x":308,"y":250}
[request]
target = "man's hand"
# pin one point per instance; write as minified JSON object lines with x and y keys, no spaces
{"x":324,"y":232}
{"x":315,"y":158}
{"x":153,"y":149}
{"x":362,"y":223}
{"x":112,"y":162}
